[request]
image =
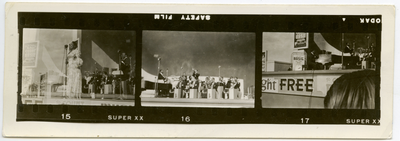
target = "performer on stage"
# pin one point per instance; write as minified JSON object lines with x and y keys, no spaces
{"x":96,"y":81}
{"x":237,"y":84}
{"x":106,"y":79}
{"x":124,"y":66}
{"x":229,"y":83}
{"x":161,"y":75}
{"x":85,"y":82}
{"x":194,"y":84}
{"x":115,"y":84}
{"x":233,"y":83}
{"x":203,"y":88}
{"x":182,"y":85}
{"x":74,"y":75}
{"x":221,"y":82}
{"x":195,"y":74}
{"x":220,"y":87}
{"x":213,"y":84}
{"x":186,"y":89}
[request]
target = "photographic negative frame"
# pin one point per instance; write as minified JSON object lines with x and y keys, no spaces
{"x":193,"y":118}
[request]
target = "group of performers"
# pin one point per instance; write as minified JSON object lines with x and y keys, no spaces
{"x":100,"y":82}
{"x":100,"y":79}
{"x":202,"y":87}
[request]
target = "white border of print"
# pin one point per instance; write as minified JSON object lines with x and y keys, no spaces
{"x":11,"y":128}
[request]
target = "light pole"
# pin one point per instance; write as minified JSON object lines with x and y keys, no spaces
{"x":158,"y":71}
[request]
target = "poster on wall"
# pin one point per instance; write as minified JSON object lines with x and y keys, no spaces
{"x":30,"y":54}
{"x":299,"y":60}
{"x":300,"y":40}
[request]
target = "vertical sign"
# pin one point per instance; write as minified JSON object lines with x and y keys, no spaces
{"x":298,"y":60}
{"x":300,"y":40}
{"x":30,"y":55}
{"x":264,"y":61}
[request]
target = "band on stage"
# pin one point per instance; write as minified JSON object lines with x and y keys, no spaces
{"x":190,"y":86}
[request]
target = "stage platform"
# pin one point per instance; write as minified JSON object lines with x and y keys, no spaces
{"x":128,"y":100}
{"x":186,"y":102}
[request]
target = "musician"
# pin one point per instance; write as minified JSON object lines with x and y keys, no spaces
{"x":161,"y":75}
{"x":195,"y":74}
{"x":124,"y":65}
{"x":194,"y":84}
{"x":221,"y":84}
{"x":96,"y":80}
{"x":181,"y":84}
{"x":221,"y":81}
{"x":228,"y":86}
{"x":106,"y":79}
{"x":115,"y":84}
{"x":207,"y":82}
{"x":233,"y":83}
{"x":186,"y":89}
{"x":229,"y":83}
{"x":203,"y":88}
{"x":237,"y":84}
{"x":210,"y":85}
{"x":213,"y":84}
{"x":85,"y":82}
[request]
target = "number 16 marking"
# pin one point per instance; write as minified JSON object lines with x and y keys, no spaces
{"x":187,"y":118}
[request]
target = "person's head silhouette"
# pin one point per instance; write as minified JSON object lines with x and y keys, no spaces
{"x":352,"y":91}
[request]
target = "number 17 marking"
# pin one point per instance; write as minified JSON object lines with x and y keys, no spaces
{"x":305,"y":120}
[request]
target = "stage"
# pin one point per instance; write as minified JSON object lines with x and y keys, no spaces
{"x":128,"y":100}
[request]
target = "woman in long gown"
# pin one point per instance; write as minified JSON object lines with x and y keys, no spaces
{"x":74,"y":81}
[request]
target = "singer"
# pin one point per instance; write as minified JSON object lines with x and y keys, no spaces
{"x":74,"y":75}
{"x":124,"y":67}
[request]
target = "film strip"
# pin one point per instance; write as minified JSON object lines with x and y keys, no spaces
{"x":175,"y":68}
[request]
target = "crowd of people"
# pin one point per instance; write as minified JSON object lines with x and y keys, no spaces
{"x":187,"y":82}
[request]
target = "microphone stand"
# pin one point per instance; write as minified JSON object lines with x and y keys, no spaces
{"x":120,"y":82}
{"x":158,"y":73}
{"x":66,"y":64}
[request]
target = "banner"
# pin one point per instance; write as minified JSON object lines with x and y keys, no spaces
{"x":306,"y":85}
